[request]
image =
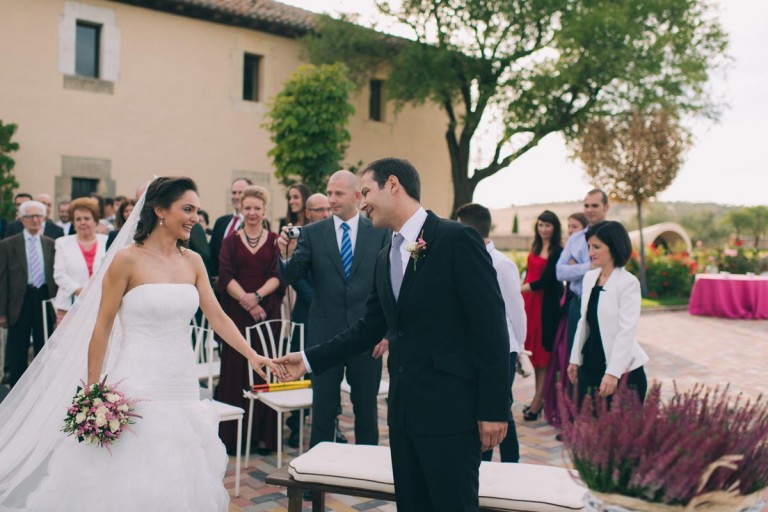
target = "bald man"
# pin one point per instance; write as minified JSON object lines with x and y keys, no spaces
{"x":50,"y":229}
{"x":340,"y":253}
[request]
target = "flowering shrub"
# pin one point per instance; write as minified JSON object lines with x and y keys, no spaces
{"x":99,"y":414}
{"x":661,"y":452}
{"x":733,"y":258}
{"x":667,"y":275}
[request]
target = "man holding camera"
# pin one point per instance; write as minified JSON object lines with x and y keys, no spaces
{"x":340,"y":252}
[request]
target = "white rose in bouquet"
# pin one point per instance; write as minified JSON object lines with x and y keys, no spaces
{"x":80,"y":417}
{"x":101,"y":421}
{"x":114,"y":425}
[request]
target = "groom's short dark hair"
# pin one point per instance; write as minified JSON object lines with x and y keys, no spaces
{"x":476,"y":216}
{"x":401,"y":169}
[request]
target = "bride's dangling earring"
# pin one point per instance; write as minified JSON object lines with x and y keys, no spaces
{"x":162,"y":221}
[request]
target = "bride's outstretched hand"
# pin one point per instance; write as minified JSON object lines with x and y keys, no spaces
{"x":292,"y":366}
{"x":258,"y":363}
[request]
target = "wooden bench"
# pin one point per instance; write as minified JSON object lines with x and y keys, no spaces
{"x":365,"y":471}
{"x":296,"y":491}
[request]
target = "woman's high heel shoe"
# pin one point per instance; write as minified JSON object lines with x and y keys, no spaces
{"x":533,"y":416}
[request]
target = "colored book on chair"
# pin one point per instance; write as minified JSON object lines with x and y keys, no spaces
{"x":282,"y":386}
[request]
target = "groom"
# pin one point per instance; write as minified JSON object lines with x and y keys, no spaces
{"x":435,"y":293}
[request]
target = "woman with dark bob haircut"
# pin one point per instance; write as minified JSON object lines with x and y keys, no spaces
{"x":605,"y":349}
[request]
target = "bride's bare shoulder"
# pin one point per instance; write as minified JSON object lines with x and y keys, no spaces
{"x":126,"y":258}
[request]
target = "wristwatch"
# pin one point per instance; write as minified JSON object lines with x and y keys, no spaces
{"x":258,"y":296}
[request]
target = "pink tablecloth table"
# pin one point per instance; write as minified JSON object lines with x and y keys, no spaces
{"x":730,"y":296}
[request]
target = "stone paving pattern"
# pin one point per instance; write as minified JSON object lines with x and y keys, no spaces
{"x":683,"y":348}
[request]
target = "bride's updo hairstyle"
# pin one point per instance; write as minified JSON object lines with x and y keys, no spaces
{"x":162,"y":192}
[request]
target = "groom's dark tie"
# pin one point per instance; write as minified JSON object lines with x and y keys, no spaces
{"x":396,"y":264}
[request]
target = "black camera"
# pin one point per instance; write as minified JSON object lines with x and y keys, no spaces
{"x":294,"y":232}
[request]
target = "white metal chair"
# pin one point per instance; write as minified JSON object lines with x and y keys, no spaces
{"x":45,"y":305}
{"x":279,"y":401}
{"x":226,"y":412}
{"x":208,"y":365}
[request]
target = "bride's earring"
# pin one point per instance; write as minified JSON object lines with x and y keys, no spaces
{"x":162,"y":221}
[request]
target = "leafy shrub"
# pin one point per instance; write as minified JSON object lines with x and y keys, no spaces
{"x":667,"y":275}
{"x":733,"y":258}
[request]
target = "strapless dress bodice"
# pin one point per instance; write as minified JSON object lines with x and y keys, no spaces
{"x":156,"y":353}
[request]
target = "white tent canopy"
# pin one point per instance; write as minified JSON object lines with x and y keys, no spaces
{"x":667,"y":234}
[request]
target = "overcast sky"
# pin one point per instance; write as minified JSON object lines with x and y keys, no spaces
{"x":729,"y":160}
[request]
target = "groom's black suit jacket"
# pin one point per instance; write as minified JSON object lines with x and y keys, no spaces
{"x":448,"y":345}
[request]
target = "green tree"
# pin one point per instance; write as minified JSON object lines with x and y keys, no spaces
{"x":740,"y":220}
{"x":705,"y":225}
{"x":307,"y":121}
{"x":8,"y":183}
{"x":759,"y":216}
{"x":543,"y":65}
{"x":515,"y":226}
{"x":632,"y":158}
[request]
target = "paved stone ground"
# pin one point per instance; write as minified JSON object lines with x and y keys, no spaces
{"x":683,"y":348}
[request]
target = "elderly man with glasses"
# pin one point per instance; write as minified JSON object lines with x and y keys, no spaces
{"x":47,"y":227}
{"x":26,"y":280}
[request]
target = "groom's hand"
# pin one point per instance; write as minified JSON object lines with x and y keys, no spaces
{"x":492,"y":433}
{"x":292,"y":366}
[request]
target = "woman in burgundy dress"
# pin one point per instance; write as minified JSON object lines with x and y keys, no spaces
{"x":558,"y":362}
{"x":251,"y":292}
{"x":542,"y":293}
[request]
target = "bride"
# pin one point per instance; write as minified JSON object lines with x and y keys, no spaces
{"x":136,"y":313}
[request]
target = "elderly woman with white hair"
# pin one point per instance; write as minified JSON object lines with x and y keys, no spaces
{"x":78,"y":256}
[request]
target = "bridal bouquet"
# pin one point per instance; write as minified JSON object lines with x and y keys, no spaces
{"x":99,"y":414}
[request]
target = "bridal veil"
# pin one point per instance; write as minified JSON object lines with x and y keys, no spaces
{"x":32,"y":415}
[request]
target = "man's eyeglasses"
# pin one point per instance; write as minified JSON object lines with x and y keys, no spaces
{"x":318,"y":210}
{"x":32,"y":217}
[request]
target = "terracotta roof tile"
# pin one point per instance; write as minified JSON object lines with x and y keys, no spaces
{"x":266,"y":15}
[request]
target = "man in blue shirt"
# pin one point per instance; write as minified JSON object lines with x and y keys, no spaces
{"x":574,"y":261}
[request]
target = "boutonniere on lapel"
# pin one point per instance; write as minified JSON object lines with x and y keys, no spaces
{"x":417,"y":249}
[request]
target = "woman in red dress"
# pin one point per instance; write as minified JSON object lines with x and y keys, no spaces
{"x":251,"y":292}
{"x":542,"y":293}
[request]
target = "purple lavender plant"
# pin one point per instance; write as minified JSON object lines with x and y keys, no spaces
{"x":658,"y":452}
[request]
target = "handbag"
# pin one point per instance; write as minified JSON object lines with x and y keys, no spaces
{"x":523,"y":366}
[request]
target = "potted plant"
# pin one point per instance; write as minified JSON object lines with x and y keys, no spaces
{"x":701,"y":450}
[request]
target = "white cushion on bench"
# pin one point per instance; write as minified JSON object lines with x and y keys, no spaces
{"x":520,"y":487}
{"x":346,"y":465}
{"x":529,"y":487}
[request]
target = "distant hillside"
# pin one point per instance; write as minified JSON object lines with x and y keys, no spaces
{"x":653,"y":213}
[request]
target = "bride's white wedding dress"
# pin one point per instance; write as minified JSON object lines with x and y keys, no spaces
{"x":172,"y":460}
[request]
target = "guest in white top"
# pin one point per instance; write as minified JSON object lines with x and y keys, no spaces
{"x":508,"y":277}
{"x":78,"y":256}
{"x":605,"y":349}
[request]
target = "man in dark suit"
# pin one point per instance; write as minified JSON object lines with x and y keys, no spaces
{"x":436,"y":295}
{"x":18,"y":199}
{"x":317,"y":208}
{"x":340,"y":252}
{"x":227,"y":224}
{"x":26,"y":280}
{"x":50,"y":229}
